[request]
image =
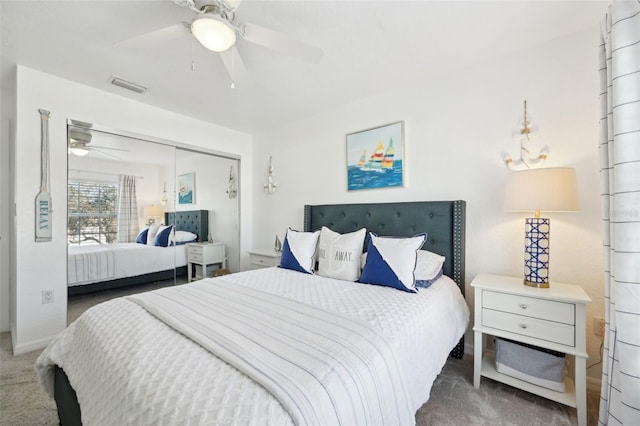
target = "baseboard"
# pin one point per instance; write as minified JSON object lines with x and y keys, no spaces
{"x":19,"y":349}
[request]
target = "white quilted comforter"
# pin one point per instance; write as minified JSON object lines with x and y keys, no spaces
{"x":127,"y":367}
{"x":102,"y":262}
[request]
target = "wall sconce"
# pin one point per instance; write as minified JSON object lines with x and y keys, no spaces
{"x":270,"y":186}
{"x":525,"y":132}
{"x":163,"y":200}
{"x":232,"y":191}
{"x":151,"y":213}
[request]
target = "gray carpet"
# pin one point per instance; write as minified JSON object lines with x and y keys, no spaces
{"x":454,"y":401}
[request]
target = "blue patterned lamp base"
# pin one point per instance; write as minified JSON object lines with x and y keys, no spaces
{"x":536,"y":252}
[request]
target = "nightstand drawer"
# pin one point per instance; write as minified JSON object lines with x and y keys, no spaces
{"x":549,"y":331}
{"x":264,"y":260}
{"x":195,"y":249}
{"x":194,"y":257}
{"x":530,"y":306}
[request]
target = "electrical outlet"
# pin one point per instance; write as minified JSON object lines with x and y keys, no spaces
{"x":47,"y":296}
{"x":599,"y":325}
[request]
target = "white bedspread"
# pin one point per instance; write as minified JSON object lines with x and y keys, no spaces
{"x":324,"y":368}
{"x":129,"y":368}
{"x":102,"y":262}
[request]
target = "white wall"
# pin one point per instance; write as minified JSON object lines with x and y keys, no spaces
{"x":42,"y":266}
{"x":456,"y":130}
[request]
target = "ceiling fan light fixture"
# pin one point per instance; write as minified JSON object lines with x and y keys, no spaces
{"x":213,"y":32}
{"x":79,"y":150}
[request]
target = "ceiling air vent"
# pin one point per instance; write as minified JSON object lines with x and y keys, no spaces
{"x":117,"y":81}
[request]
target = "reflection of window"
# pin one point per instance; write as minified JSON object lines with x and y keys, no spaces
{"x":92,"y":217}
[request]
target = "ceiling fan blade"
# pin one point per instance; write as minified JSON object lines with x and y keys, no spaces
{"x":106,"y":147}
{"x":281,"y":43}
{"x":157,"y":36}
{"x":232,"y":4}
{"x":101,"y":152}
{"x":235,"y":67}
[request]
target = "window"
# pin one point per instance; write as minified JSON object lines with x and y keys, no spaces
{"x":92,"y":217}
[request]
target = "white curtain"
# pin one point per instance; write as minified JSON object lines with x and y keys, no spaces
{"x":620,"y":176}
{"x":128,"y":226}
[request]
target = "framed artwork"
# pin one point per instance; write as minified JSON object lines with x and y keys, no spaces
{"x":187,"y":189}
{"x":375,"y":157}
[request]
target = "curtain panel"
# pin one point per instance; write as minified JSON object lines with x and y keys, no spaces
{"x":128,"y":226}
{"x":620,"y":177}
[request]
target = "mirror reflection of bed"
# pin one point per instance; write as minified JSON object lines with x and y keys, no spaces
{"x":122,"y":190}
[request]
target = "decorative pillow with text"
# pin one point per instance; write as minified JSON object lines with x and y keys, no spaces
{"x":339,"y":254}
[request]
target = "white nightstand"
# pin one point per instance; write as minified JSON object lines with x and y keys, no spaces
{"x":264,"y":258}
{"x":552,"y":318}
{"x":204,"y":254}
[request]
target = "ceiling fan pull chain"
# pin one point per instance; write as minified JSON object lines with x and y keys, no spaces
{"x":233,"y":85}
{"x":193,"y":62}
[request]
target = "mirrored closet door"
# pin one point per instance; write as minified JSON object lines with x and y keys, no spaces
{"x":116,"y":190}
{"x":141,"y":211}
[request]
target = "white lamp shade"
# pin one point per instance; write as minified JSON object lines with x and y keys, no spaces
{"x":152,"y":211}
{"x":213,"y":33}
{"x":549,"y":190}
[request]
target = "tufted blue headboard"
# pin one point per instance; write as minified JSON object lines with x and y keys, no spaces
{"x":196,"y":221}
{"x":443,"y":221}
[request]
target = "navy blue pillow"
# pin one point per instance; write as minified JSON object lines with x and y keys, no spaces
{"x":142,"y":237}
{"x":162,"y":238}
{"x":299,"y":250}
{"x":427,"y":283}
{"x":391,"y":261}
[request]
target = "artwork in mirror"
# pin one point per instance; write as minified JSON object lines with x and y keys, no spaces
{"x":186,"y":189}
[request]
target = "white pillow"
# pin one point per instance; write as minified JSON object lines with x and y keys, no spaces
{"x":391,"y":261}
{"x":184,"y":237}
{"x":151,"y":235}
{"x":339,"y":255}
{"x":428,"y":266}
{"x":299,"y":250}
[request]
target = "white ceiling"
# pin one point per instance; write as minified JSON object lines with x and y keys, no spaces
{"x":369,"y":47}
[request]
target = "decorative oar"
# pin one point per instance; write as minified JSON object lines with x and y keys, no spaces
{"x":43,"y":199}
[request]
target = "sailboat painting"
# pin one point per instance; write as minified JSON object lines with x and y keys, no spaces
{"x":375,"y":157}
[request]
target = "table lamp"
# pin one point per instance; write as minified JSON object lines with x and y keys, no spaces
{"x":151,"y":212}
{"x":536,"y":190}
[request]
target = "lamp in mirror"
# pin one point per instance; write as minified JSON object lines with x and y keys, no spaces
{"x":152,"y":212}
{"x":536,"y":190}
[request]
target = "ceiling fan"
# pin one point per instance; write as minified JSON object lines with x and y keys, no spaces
{"x":216,"y":27}
{"x":79,"y":140}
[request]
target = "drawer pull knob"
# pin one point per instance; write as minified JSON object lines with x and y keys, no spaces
{"x":523,"y":326}
{"x":523,"y":306}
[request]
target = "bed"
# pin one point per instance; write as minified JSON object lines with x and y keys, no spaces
{"x":128,"y":361}
{"x":108,"y":266}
